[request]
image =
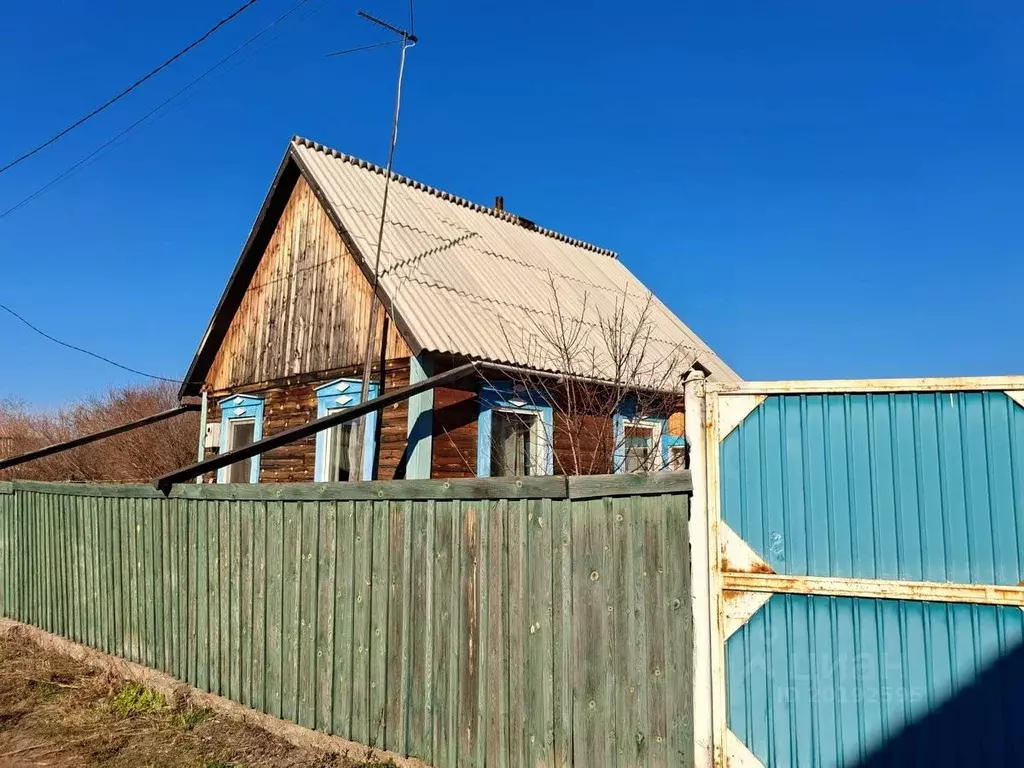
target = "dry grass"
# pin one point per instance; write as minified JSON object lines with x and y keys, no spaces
{"x":56,"y":711}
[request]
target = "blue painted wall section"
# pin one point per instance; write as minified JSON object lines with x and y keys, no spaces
{"x":512,"y":398}
{"x":235,"y":408}
{"x":338,"y":395}
{"x":921,"y":487}
{"x":420,"y":425}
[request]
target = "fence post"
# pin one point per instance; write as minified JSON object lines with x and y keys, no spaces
{"x":700,"y":564}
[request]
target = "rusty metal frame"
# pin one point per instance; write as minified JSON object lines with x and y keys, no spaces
{"x":823,"y":386}
{"x":752,"y":589}
{"x":836,"y":586}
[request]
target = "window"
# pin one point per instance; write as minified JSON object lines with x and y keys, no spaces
{"x":514,"y":443}
{"x":513,"y":433}
{"x":639,"y":447}
{"x":338,"y":462}
{"x":345,"y":451}
{"x":241,"y":432}
{"x":643,"y":443}
{"x":241,"y":425}
{"x":676,"y":458}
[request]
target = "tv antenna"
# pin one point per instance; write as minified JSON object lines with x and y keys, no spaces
{"x":408,"y":39}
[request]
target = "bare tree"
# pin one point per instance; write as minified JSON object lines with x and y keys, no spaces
{"x":611,"y":365}
{"x":138,"y":455}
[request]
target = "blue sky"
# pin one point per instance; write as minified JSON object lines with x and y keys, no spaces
{"x":818,"y":189}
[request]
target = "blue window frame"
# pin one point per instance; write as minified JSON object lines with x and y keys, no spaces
{"x":520,"y":419}
{"x":241,"y":423}
{"x":331,"y":398}
{"x":634,"y":449}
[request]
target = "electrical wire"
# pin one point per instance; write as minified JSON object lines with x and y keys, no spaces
{"x":364,"y":48}
{"x":248,"y":4}
{"x":71,"y":169}
{"x":107,"y":144}
{"x":55,"y":340}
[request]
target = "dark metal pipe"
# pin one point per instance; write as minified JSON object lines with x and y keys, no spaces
{"x":164,"y":482}
{"x":50,"y":450}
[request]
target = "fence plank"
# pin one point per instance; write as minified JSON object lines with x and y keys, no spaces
{"x":537,"y":640}
{"x":110,"y":532}
{"x":397,"y":649}
{"x":495,"y":741}
{"x":654,"y":604}
{"x":363,"y":582}
{"x":379,"y":590}
{"x":258,"y":644}
{"x":345,"y":589}
{"x":561,"y":631}
{"x":590,"y":633}
{"x":307,"y":624}
{"x":276,"y":546}
{"x":499,"y":627}
{"x":323,"y":586}
{"x":291,"y":614}
{"x":679,"y":630}
{"x":626,"y":716}
{"x":445,"y":609}
{"x":420,"y":628}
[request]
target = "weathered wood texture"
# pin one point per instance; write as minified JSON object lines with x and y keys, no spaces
{"x":583,"y":444}
{"x":467,"y":623}
{"x":291,"y":403}
{"x":306,"y":309}
{"x":455,"y":433}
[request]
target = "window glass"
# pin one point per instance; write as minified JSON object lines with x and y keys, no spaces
{"x":241,"y":432}
{"x":340,"y":458}
{"x":676,"y":458}
{"x":639,"y":448}
{"x":513,"y":443}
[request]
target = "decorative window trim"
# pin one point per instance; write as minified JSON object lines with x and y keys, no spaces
{"x":238,"y":408}
{"x":627,"y":415}
{"x":510,"y":398}
{"x":337,"y":396}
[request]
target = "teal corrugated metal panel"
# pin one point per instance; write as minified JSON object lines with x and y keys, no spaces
{"x":890,"y":486}
{"x":836,"y":681}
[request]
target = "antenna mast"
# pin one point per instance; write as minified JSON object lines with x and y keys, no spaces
{"x":408,"y":39}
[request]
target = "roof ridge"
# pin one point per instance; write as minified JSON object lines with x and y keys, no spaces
{"x":495,"y":212}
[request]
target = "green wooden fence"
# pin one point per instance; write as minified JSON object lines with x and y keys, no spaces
{"x":541,"y":621}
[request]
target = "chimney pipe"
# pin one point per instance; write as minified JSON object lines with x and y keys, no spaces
{"x":499,"y":203}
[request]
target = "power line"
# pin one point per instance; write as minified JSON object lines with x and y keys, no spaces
{"x":55,"y":340}
{"x":363,"y":48}
{"x":130,"y":88}
{"x":71,"y":169}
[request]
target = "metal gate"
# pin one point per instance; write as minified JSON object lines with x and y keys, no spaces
{"x":866,"y":549}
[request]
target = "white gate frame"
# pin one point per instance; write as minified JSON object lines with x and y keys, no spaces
{"x":713,"y":410}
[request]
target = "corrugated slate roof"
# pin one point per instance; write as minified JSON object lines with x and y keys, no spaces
{"x":470,"y":280}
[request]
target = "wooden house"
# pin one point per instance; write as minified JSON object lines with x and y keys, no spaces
{"x":457,"y":281}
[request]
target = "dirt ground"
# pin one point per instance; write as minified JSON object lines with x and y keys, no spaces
{"x":56,"y":711}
